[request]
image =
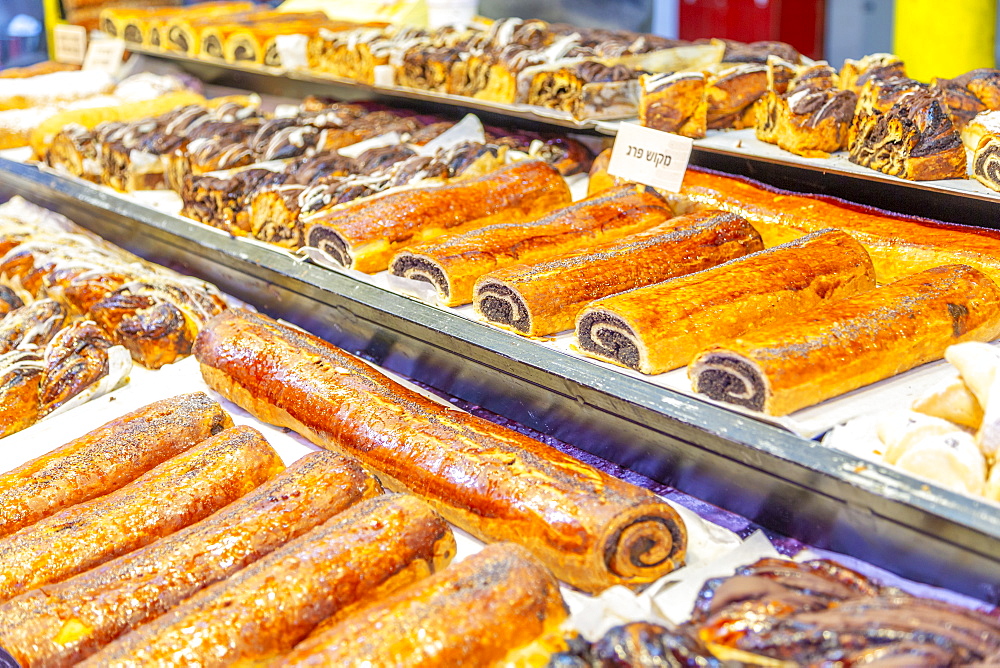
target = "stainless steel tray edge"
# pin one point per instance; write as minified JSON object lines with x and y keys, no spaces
{"x":781,"y":481}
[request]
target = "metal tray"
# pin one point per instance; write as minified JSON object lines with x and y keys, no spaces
{"x":792,"y":485}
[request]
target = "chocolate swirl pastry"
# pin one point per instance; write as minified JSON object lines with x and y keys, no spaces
{"x":759,"y":52}
{"x":821,"y":613}
{"x":427,"y":68}
{"x":841,"y":346}
{"x":915,"y":139}
{"x":674,"y":102}
{"x":75,"y":359}
{"x":969,"y":94}
{"x":876,"y":67}
{"x":731,"y":93}
{"x":588,"y":89}
{"x":31,"y":326}
{"x":21,"y":376}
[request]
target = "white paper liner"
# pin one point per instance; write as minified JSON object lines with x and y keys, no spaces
{"x":468,"y":130}
{"x":292,"y":50}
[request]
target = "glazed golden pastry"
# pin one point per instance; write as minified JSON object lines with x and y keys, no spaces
{"x":70,"y":620}
{"x":590,"y":529}
{"x":545,"y":297}
{"x":845,"y":345}
{"x":364,"y":235}
{"x":174,"y":494}
{"x":674,"y":102}
{"x":454,"y":262}
{"x":106,"y":458}
{"x":662,"y":326}
{"x":873,"y":67}
{"x":898,"y":245}
{"x":375,"y":547}
{"x":480,"y":611}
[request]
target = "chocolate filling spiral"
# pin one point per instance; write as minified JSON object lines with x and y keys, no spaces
{"x":610,"y":337}
{"x":500,"y":304}
{"x":330,"y":243}
{"x":420,"y":269}
{"x":986,"y":166}
{"x":727,"y":378}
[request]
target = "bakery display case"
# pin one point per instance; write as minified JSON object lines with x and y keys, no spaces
{"x":369,"y":301}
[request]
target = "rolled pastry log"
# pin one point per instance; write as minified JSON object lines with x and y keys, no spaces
{"x":22,"y":373}
{"x":365,"y":234}
{"x":545,"y":297}
{"x":454,"y":262}
{"x":898,"y":245}
{"x":848,"y":344}
{"x":175,"y":494}
{"x":106,"y":458}
{"x":379,"y":545}
{"x":591,"y":529}
{"x":479,"y":611}
{"x":661,"y":327}
{"x":70,"y":620}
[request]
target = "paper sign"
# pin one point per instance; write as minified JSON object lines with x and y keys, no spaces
{"x":650,"y":157}
{"x":69,"y":44}
{"x":105,"y":55}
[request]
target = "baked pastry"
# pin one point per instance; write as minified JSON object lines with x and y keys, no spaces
{"x":967,"y":95}
{"x":776,"y":610}
{"x":542,"y":298}
{"x":915,"y":139}
{"x":32,"y":326}
{"x":44,"y":67}
{"x":845,"y":345}
{"x":72,"y":619}
{"x":482,"y":610}
{"x":898,"y":245}
{"x":951,"y":400}
{"x":21,"y":376}
{"x":174,"y":494}
{"x":981,"y":138}
{"x":812,"y":118}
{"x":106,"y":458}
{"x":482,"y":477}
{"x":453,"y":263}
{"x":873,"y":67}
{"x":585,"y":89}
{"x":257,"y":43}
{"x":674,"y":102}
{"x":375,"y":547}
{"x":660,"y":327}
{"x":601,"y":180}
{"x":364,"y":235}
{"x":731,"y":94}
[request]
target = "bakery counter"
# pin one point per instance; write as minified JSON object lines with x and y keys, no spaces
{"x":781,"y":480}
{"x":734,"y":151}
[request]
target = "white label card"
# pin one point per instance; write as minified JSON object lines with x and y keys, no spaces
{"x":69,"y":44}
{"x":650,"y":157}
{"x":104,"y":54}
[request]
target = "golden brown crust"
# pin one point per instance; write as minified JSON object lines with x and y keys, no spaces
{"x":22,"y":373}
{"x":107,"y":458}
{"x":266,"y":608}
{"x":660,"y":327}
{"x":590,"y":529}
{"x":364,"y":235}
{"x":674,"y":103}
{"x":844,"y":345}
{"x":898,"y":245}
{"x":545,"y":297}
{"x":474,"y":612}
{"x":179,"y":492}
{"x":70,"y":620}
{"x":454,"y":262}
{"x":599,"y":177}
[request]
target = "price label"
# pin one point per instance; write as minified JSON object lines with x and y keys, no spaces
{"x":104,"y":54}
{"x":69,"y":44}
{"x":650,"y":157}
